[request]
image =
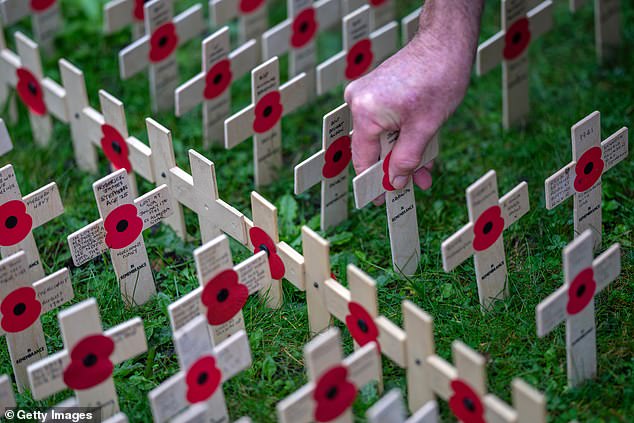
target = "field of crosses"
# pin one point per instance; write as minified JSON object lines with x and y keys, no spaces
{"x":167,"y":256}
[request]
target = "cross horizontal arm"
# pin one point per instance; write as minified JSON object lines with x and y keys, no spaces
{"x":441,"y":373}
{"x":560,"y":186}
{"x":13,"y":11}
{"x":87,"y":243}
{"x":607,"y":267}
{"x":615,"y":148}
{"x":309,"y":172}
{"x":457,"y":248}
{"x":154,"y":206}
{"x":117,"y":14}
{"x":44,"y":205}
{"x":253,"y":270}
{"x":552,"y":311}
{"x":514,"y":204}
{"x":54,"y":290}
{"x":497,"y":411}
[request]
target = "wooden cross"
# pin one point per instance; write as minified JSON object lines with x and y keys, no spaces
{"x":46,"y":18}
{"x":483,"y":238}
{"x":86,"y":363}
{"x":204,"y":367}
{"x":212,"y":87}
{"x":529,"y":405}
{"x":362,"y":50}
{"x":224,"y":289}
{"x":5,"y":100}
{"x":41,"y":95}
{"x":23,"y":300}
{"x":262,"y":119}
{"x":120,"y":231}
{"x":157,"y":49}
{"x":400,"y":205}
{"x":119,"y":14}
{"x":298,"y":34}
{"x":382,"y":11}
{"x":20,"y":215}
{"x":330,"y":167}
{"x":5,"y":140}
{"x":581,"y":178}
{"x":198,"y":191}
{"x":316,"y":251}
{"x":574,"y":303}
{"x":520,"y":27}
{"x":390,"y":409}
{"x":334,"y":381}
{"x":252,"y":15}
{"x":7,"y":398}
{"x":409,"y":26}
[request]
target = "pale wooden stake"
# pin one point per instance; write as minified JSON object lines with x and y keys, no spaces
{"x":46,"y":23}
{"x":161,"y":27}
{"x":316,"y":251}
{"x":27,"y":344}
{"x":5,"y":140}
{"x":409,"y":26}
{"x":390,"y":409}
{"x":252,"y":20}
{"x":119,"y":14}
{"x":123,"y":237}
{"x":6,"y":55}
{"x":199,"y":360}
{"x":581,"y":178}
{"x":483,"y":238}
{"x":84,"y":339}
{"x":7,"y":398}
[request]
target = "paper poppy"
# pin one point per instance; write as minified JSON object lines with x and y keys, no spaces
{"x":488,"y":228}
{"x":465,"y":403}
{"x":517,"y":39}
{"x":581,"y":291}
{"x":337,"y":157}
{"x":218,"y":79}
{"x":123,"y":226}
{"x":268,"y":112}
{"x":589,"y":169}
{"x":261,"y":241}
{"x":202,"y":379}
{"x":163,"y":42}
{"x":139,"y":10}
{"x":90,"y":363}
{"x":304,"y":28}
{"x":224,"y":296}
{"x":359,"y":59}
{"x":15,"y":223}
{"x":115,"y":148}
{"x":386,"y":175}
{"x":41,"y":5}
{"x":361,"y":325}
{"x":248,"y":6}
{"x":334,"y":394}
{"x":30,"y":92}
{"x":20,"y":309}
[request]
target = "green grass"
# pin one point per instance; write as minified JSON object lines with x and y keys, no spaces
{"x":566,"y":85}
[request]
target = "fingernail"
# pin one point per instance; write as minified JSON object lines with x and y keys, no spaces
{"x":399,"y":181}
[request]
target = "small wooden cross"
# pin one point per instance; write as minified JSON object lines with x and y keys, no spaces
{"x":120,"y":231}
{"x":119,"y":14}
{"x":212,"y":87}
{"x":607,"y":25}
{"x":529,"y":405}
{"x":390,"y":409}
{"x":574,"y":303}
{"x":362,"y":50}
{"x":23,"y":300}
{"x":252,"y":15}
{"x":520,"y":27}
{"x":263,"y":118}
{"x":20,"y":215}
{"x":204,"y":367}
{"x":400,"y":205}
{"x":334,"y":381}
{"x":87,"y":361}
{"x":7,"y":398}
{"x":330,"y":167}
{"x":198,"y":191}
{"x":409,"y":25}
{"x":5,"y":140}
{"x":5,"y":100}
{"x":46,"y":18}
{"x":42,"y":96}
{"x":157,"y":49}
{"x":581,"y":178}
{"x":224,"y":289}
{"x":483,"y":238}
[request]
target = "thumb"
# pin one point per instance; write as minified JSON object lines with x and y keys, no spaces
{"x":407,"y":153}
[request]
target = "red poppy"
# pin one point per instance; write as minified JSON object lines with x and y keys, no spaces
{"x":20,"y":309}
{"x":248,"y":6}
{"x":115,"y":148}
{"x":581,"y":291}
{"x":139,"y":10}
{"x":268,"y":112}
{"x":359,"y":59}
{"x":334,"y":394}
{"x":386,"y":175}
{"x":304,"y":28}
{"x":488,"y":228}
{"x":262,"y":242}
{"x":203,"y":378}
{"x":465,"y":403}
{"x":589,"y":169}
{"x":90,"y":363}
{"x":224,"y":296}
{"x":123,"y":226}
{"x":218,"y":79}
{"x":337,"y":158}
{"x":30,"y":92}
{"x":361,"y":325}
{"x":376,"y":3}
{"x":517,"y":39}
{"x":163,"y":42}
{"x":15,"y":223}
{"x":41,"y":5}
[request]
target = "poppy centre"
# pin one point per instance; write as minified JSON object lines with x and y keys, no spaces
{"x":116,"y":147}
{"x":358,"y":58}
{"x":203,"y":377}
{"x":363,"y":326}
{"x":517,"y":38}
{"x":487,"y":227}
{"x":19,"y":309}
{"x":581,"y":290}
{"x":338,"y":155}
{"x":90,"y":360}
{"x":588,"y":168}
{"x":469,"y":404}
{"x":163,"y":41}
{"x":218,"y":79}
{"x":11,"y":222}
{"x":122,"y":225}
{"x":267,"y":111}
{"x":222,"y":296}
{"x":332,"y":392}
{"x":265,"y":248}
{"x":32,"y":88}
